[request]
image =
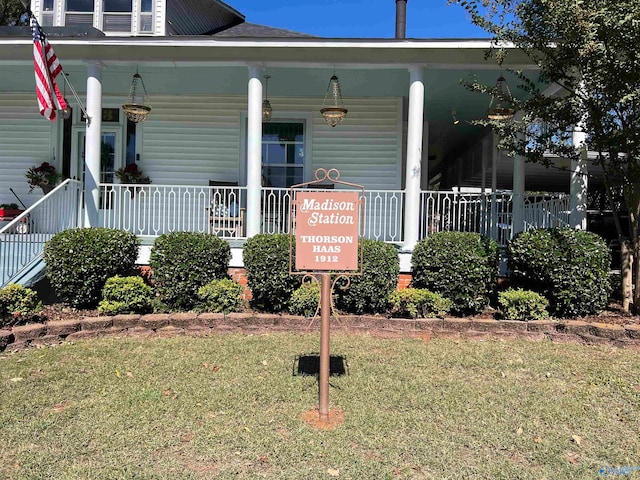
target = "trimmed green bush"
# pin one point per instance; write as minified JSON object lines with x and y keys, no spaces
{"x":569,"y":267}
{"x":18,"y":305}
{"x":79,"y":262}
{"x":461,"y":266}
{"x":182,"y":262}
{"x":125,"y":295}
{"x":369,"y":292}
{"x":266,"y":262}
{"x":305,"y":300}
{"x":519,"y":304}
{"x":418,"y":302}
{"x":221,"y":296}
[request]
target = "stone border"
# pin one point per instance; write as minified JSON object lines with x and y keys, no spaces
{"x":204,"y":324}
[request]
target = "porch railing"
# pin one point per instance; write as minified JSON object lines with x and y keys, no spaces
{"x":156,"y":209}
{"x":491,"y":214}
{"x":383,"y":213}
{"x":152,"y":210}
{"x":22,"y":240}
{"x":546,"y":211}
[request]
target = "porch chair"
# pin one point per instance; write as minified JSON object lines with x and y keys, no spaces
{"x":226,"y":217}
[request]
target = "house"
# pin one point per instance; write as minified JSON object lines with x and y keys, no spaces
{"x":216,"y":165}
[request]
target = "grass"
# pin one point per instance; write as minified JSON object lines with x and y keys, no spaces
{"x":228,"y":406}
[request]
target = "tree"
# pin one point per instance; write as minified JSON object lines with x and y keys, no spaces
{"x":588,"y":49}
{"x":11,"y":12}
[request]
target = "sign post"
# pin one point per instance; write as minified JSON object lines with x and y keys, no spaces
{"x":327,"y":226}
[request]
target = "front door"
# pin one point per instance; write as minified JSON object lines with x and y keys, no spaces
{"x":110,"y":155}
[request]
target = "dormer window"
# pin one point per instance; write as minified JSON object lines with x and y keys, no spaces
{"x":47,"y":13}
{"x":146,"y":16}
{"x":79,"y":12}
{"x":117,"y":16}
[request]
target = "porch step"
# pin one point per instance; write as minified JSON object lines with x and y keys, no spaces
{"x":20,"y":262}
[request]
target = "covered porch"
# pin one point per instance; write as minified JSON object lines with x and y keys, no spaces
{"x":218,"y":166}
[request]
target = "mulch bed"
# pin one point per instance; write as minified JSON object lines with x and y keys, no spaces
{"x":613,"y":314}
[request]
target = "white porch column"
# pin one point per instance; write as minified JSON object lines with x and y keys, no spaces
{"x":93,"y":141}
{"x":424,"y":183}
{"x":495,"y":154}
{"x":579,"y":182}
{"x":254,"y":150}
{"x":414,"y":157}
{"x":518,"y":195}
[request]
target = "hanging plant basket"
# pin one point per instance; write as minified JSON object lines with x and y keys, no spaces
{"x":137,"y":108}
{"x":136,"y":113}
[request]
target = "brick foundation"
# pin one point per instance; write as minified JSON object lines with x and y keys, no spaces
{"x":404,"y":281}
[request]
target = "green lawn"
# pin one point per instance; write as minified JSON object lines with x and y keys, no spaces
{"x":228,"y":406}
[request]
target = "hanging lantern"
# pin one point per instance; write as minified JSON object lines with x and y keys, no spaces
{"x":501,"y":104}
{"x":334,"y":112}
{"x":137,"y":107}
{"x":266,"y":106}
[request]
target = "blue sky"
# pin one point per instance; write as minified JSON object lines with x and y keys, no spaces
{"x":360,"y":18}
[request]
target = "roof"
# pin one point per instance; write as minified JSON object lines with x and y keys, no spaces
{"x":253,"y":30}
{"x":199,"y":17}
{"x":73,"y":31}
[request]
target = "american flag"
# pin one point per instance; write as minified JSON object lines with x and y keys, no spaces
{"x":46,"y":67}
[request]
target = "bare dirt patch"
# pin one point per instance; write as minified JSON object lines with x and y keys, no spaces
{"x":333,"y":420}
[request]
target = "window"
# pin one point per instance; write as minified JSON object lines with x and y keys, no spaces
{"x":131,"y":145}
{"x":282,"y":154}
{"x":79,"y":12}
{"x":117,"y":16}
{"x":146,"y":16}
{"x":47,"y":12}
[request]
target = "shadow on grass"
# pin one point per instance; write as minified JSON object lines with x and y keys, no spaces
{"x":309,"y":364}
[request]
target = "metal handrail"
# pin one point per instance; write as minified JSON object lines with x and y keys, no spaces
{"x":22,"y":240}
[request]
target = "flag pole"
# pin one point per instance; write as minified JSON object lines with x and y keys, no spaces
{"x":73,"y":91}
{"x":64,"y":74}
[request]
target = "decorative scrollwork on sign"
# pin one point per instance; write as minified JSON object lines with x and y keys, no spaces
{"x":309,"y":279}
{"x":332,"y":175}
{"x":335,"y":284}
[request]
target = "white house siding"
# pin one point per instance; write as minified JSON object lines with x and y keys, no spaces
{"x":365,"y":148}
{"x":189,"y":140}
{"x":25,"y":140}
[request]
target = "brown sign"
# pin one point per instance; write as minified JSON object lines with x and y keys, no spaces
{"x":327,"y":230}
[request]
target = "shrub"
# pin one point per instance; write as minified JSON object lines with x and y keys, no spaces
{"x":79,"y":262}
{"x":221,"y":296}
{"x":569,"y":267}
{"x":17,"y":305}
{"x":461,"y":266}
{"x":519,"y":304}
{"x":418,"y":302}
{"x":182,"y":262}
{"x":125,"y":295}
{"x":266,"y":262}
{"x":369,"y":292}
{"x":305,"y":300}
